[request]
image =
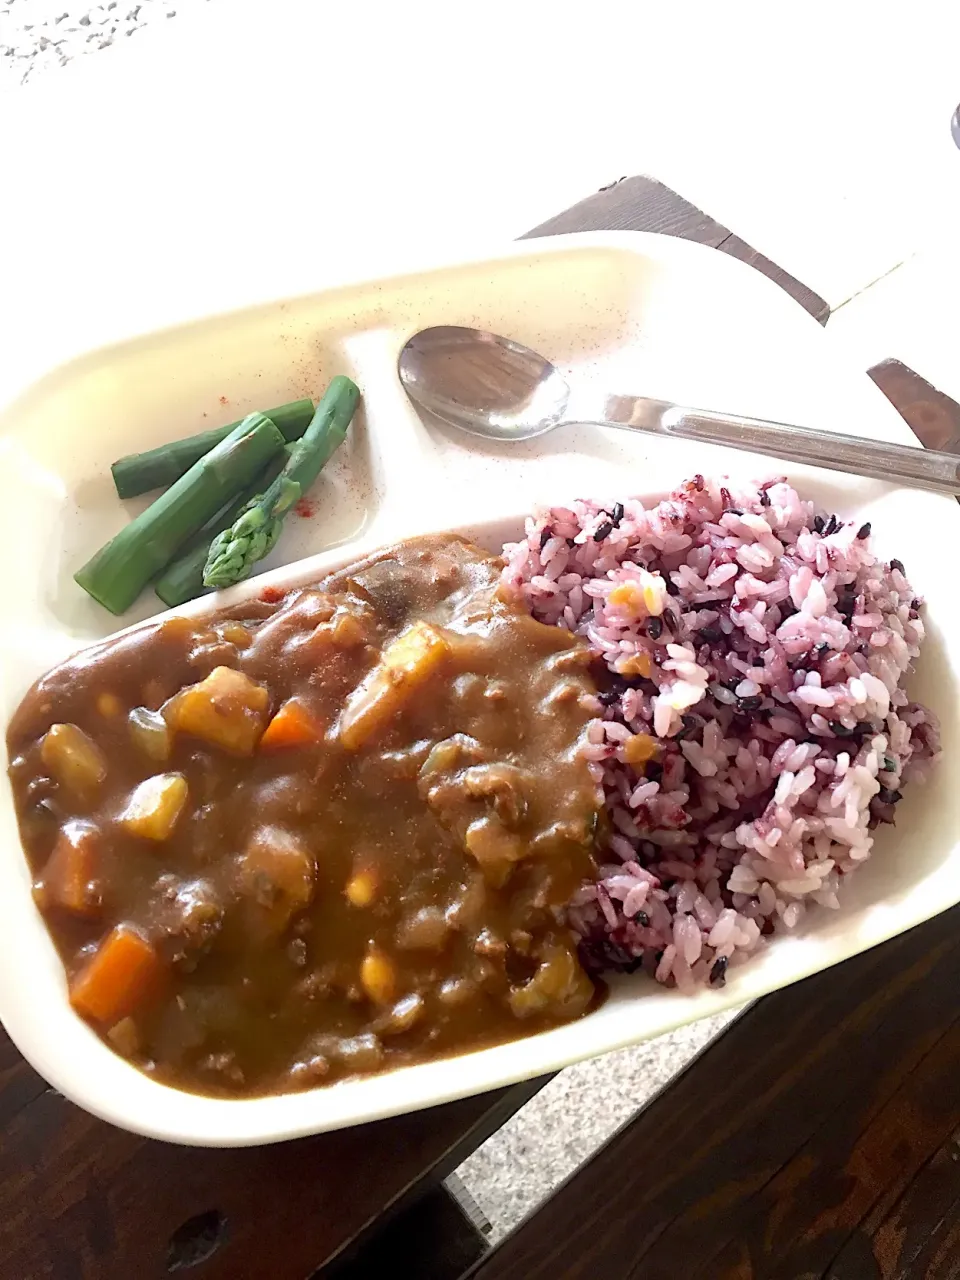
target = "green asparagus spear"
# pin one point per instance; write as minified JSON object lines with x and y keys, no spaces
{"x":182,"y":580}
{"x":234,"y":552}
{"x":140,"y":472}
{"x":119,"y":571}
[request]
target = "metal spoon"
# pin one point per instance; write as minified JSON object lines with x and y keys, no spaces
{"x":493,"y":387}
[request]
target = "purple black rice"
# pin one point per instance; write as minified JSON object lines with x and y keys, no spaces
{"x":751,"y":727}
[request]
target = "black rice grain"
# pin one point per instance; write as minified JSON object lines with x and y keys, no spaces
{"x":841,"y":730}
{"x":846,"y":605}
{"x":545,"y":537}
{"x":654,"y":627}
{"x":688,"y":725}
{"x":617,"y":514}
{"x":718,"y":974}
{"x":603,"y":531}
{"x":864,"y":531}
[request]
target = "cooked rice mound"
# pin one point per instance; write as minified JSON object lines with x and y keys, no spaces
{"x":751,"y":728}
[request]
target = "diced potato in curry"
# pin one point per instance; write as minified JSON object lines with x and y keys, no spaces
{"x":559,"y":981}
{"x":404,"y":665}
{"x":277,"y":876}
{"x":74,"y":759}
{"x":150,"y":733}
{"x":226,"y":710}
{"x":154,"y":807}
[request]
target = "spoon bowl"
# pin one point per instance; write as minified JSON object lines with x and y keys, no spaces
{"x":484,"y":384}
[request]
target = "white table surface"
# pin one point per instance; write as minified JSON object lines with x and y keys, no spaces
{"x":248,"y":150}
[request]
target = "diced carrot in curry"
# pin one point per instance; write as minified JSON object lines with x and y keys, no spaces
{"x":227,"y":710}
{"x":404,"y":665}
{"x":69,"y":877}
{"x":118,"y":978}
{"x":73,"y":759}
{"x":292,"y":726}
{"x":155,"y":805}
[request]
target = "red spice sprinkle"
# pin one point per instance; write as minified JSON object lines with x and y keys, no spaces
{"x":305,"y":508}
{"x":224,"y":400}
{"x":272,"y":595}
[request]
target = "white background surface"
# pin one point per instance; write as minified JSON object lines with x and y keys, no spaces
{"x":247,"y":150}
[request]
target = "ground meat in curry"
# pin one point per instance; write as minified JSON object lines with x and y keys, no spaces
{"x":318,"y":837}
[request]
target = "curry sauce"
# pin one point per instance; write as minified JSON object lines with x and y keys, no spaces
{"x":317,"y":836}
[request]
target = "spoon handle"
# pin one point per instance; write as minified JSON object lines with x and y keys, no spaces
{"x":922,"y":468}
{"x":899,"y":463}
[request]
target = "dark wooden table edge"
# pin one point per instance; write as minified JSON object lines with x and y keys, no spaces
{"x":614,"y":208}
{"x":907,"y":976}
{"x":507,"y":1104}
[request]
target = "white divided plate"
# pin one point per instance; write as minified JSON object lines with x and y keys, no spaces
{"x":642,"y":313}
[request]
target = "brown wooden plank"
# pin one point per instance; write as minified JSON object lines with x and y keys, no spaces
{"x":19,"y":1084}
{"x":644,"y":204}
{"x":916,"y":1234}
{"x":810,"y":301}
{"x":433,"y":1240}
{"x":769,"y":1158}
{"x":933,"y":416}
{"x":79,"y":1198}
{"x":636,"y":204}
